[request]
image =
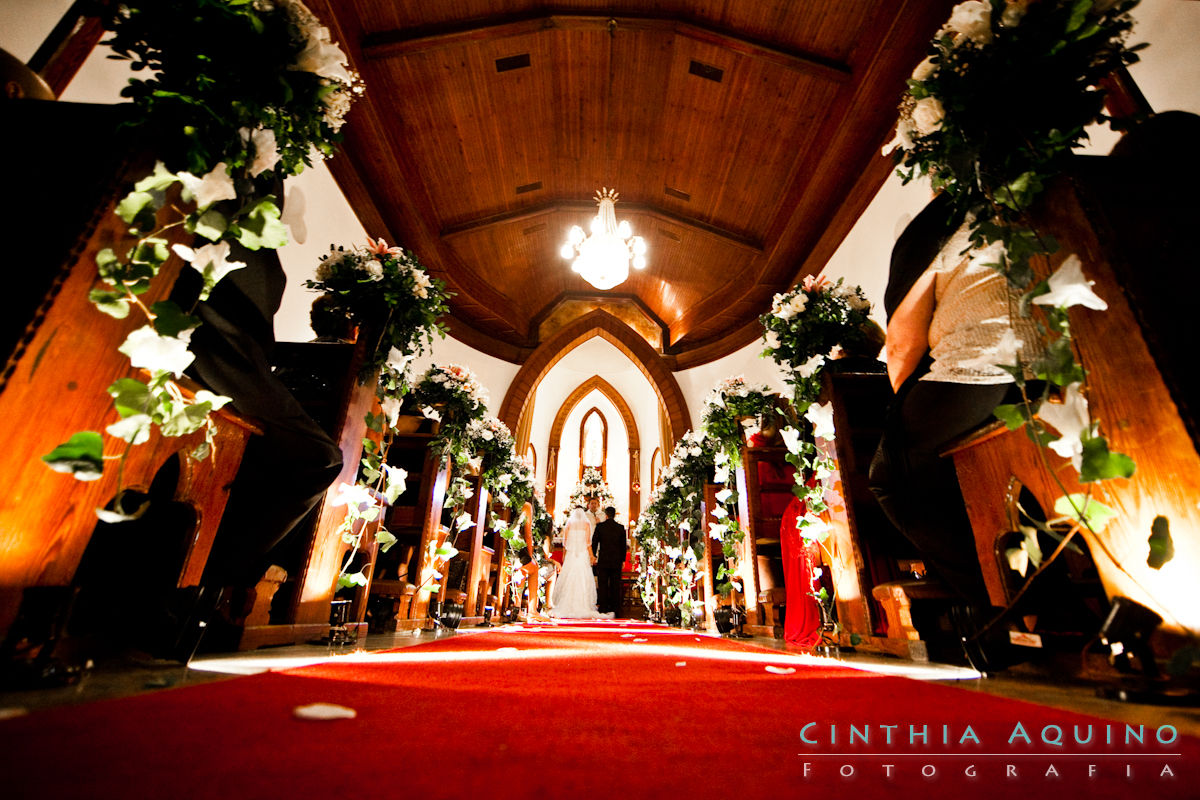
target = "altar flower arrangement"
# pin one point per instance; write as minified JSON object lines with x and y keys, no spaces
{"x":805,"y":325}
{"x":387,"y":293}
{"x":591,"y":484}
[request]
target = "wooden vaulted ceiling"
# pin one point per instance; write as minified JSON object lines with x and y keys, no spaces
{"x":743,"y":138}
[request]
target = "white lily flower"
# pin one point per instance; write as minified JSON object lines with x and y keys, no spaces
{"x":809,"y":367}
{"x":791,"y":439}
{"x":266,"y":150}
{"x":811,"y":526}
{"x":211,"y":261}
{"x":147,"y":349}
{"x":685,"y":526}
{"x":724,"y":495}
{"x":353,"y":495}
{"x":463,"y":521}
{"x":717,"y":530}
{"x":134,"y":429}
{"x":429,"y":412}
{"x":1069,"y":287}
{"x":771,"y":338}
{"x":721,"y":474}
{"x":391,"y":409}
{"x":821,"y":417}
{"x":1070,"y":419}
{"x":216,"y":185}
{"x":421,"y":284}
{"x":215,"y":401}
{"x":396,"y":478}
{"x":719,"y":512}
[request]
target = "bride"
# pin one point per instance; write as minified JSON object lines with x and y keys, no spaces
{"x":575,"y":590}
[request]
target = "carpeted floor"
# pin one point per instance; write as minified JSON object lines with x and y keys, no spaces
{"x":582,"y":711}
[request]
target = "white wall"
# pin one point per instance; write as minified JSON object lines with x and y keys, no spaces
{"x":617,"y":471}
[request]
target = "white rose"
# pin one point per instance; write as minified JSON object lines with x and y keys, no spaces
{"x":421,"y":284}
{"x":903,"y":138}
{"x":266,"y":150}
{"x":772,"y":340}
{"x":927,"y":115}
{"x":972,"y":19}
{"x":1014,"y":12}
{"x":374,"y":269}
{"x":322,"y":57}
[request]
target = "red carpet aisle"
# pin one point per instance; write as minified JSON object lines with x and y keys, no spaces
{"x":580,"y":712}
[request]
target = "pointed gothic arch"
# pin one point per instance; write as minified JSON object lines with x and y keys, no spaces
{"x":631,"y":431}
{"x":598,"y":323}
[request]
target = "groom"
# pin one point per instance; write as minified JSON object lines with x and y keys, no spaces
{"x":608,"y":545}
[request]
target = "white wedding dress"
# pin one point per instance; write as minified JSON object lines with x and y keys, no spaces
{"x":574,"y":593}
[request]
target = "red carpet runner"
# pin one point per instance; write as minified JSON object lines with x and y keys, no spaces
{"x":583,"y":711}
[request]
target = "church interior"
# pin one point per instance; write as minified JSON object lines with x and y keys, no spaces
{"x":292,"y":439}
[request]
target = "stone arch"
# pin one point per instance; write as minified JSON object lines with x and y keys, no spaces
{"x":631,"y":431}
{"x":617,"y":333}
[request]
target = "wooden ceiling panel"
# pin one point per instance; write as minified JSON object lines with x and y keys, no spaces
{"x":743,"y":139}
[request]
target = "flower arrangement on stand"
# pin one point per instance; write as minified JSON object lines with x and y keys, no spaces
{"x":806,"y":326}
{"x":386,"y":293}
{"x":990,"y":116}
{"x":239,"y":96}
{"x":454,"y":398}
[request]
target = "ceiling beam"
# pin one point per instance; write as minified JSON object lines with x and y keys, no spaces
{"x":393,"y":44}
{"x":509,"y":217}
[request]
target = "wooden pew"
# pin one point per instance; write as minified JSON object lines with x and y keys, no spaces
{"x":54,"y":384}
{"x":1130,"y":393}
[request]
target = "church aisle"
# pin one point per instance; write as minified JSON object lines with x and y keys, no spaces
{"x":581,"y":710}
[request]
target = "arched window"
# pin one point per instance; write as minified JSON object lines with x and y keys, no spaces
{"x":655,"y":466}
{"x":593,"y":442}
{"x":531,"y":459}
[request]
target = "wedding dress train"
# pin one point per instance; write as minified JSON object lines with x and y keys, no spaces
{"x":574,"y":593}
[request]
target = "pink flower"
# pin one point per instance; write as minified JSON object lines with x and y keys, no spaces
{"x":380,"y":247}
{"x":813,"y":283}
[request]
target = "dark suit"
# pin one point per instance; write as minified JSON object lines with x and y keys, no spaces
{"x":608,"y":545}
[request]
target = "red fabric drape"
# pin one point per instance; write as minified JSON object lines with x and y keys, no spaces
{"x":802,"y":620}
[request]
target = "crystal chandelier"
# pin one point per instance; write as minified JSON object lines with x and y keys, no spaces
{"x":602,"y":258}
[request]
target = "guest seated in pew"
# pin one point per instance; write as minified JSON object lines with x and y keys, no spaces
{"x":286,"y":471}
{"x":948,"y":325}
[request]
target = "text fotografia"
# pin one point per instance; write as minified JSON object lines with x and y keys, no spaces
{"x":815,"y":734}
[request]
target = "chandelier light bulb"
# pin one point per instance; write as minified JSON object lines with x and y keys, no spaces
{"x":603,"y":258}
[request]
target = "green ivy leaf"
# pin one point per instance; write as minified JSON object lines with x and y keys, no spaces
{"x":188,"y":419}
{"x":133,"y":204}
{"x":1058,"y":364}
{"x":1091,"y":512}
{"x":131,"y":397}
{"x":108,"y":266}
{"x":261,"y":227}
{"x":1013,"y":415}
{"x":82,"y":456}
{"x":113,"y":303}
{"x":1101,"y":464}
{"x":156,"y":181}
{"x":201,"y":452}
{"x":212,"y":224}
{"x":171,"y":320}
{"x":351,"y":580}
{"x":384,"y":539}
{"x":1162,"y":547}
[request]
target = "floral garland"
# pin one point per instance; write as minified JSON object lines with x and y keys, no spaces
{"x":383,"y":286}
{"x":231,"y":118}
{"x":958,"y":127}
{"x":670,"y":531}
